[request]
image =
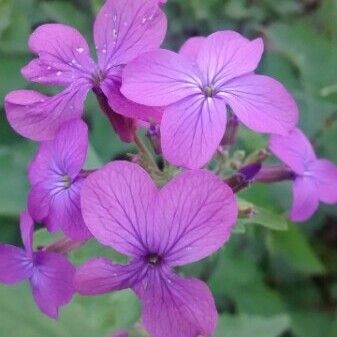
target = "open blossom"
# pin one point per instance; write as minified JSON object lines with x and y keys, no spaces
{"x":56,"y":177}
{"x":315,"y":179}
{"x":123,"y":30}
{"x":197,"y":85}
{"x":50,"y":275}
{"x":188,"y":219}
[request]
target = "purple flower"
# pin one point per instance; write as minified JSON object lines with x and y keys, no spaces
{"x":56,"y":177}
{"x":185,"y":221}
{"x":50,"y":275}
{"x":315,"y":179}
{"x":196,"y":86}
{"x":123,"y":30}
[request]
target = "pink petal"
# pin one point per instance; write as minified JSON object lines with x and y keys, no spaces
{"x":176,"y":307}
{"x":191,"y":130}
{"x":39,"y":117}
{"x":294,"y":150}
{"x":325,"y":173}
{"x":261,"y":103}
{"x":116,"y":206}
{"x":197,"y":212}
{"x":191,"y":48}
{"x":65,"y":212}
{"x":305,"y":199}
{"x":127,"y":108}
{"x":226,"y":55}
{"x":15,"y":265}
{"x":125,"y":29}
{"x":160,"y":78}
{"x":63,"y":56}
{"x":99,"y":276}
{"x":52,"y":282}
{"x":27,"y":228}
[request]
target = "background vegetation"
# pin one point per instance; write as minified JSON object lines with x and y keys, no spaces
{"x":267,"y":282}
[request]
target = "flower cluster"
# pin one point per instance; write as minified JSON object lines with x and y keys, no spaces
{"x":192,"y":103}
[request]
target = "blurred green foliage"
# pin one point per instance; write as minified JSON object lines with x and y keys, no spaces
{"x":266,"y":283}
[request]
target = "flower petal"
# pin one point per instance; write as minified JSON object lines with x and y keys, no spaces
{"x":325,"y":173}
{"x":65,"y":212}
{"x":261,"y":103}
{"x":27,"y":228}
{"x":226,"y":55}
{"x":127,"y":108}
{"x":116,"y":208}
{"x":159,"y":78}
{"x":125,"y":29}
{"x":38,"y":117}
{"x":191,"y":48}
{"x":99,"y":276}
{"x":63,"y":56}
{"x":191,"y":130}
{"x":65,"y":155}
{"x":294,"y":150}
{"x":15,"y":265}
{"x":176,"y":307}
{"x":305,"y":199}
{"x":52,"y":282}
{"x":197,"y":211}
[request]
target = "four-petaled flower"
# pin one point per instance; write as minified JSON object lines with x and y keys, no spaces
{"x":123,"y":30}
{"x":197,"y":85}
{"x":57,"y":177}
{"x":50,"y":275}
{"x":315,"y":179}
{"x":185,"y":221}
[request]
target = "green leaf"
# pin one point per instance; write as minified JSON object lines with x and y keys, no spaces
{"x":261,"y":216}
{"x":43,"y":238}
{"x":252,"y":326}
{"x":293,"y":247}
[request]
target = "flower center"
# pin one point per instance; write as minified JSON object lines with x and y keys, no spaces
{"x":66,"y":181}
{"x":153,"y":259}
{"x":209,"y":91}
{"x":98,"y":77}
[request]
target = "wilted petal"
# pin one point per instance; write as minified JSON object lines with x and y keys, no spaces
{"x":325,"y":174}
{"x":15,"y":265}
{"x":191,"y":130}
{"x":125,"y":29}
{"x":39,"y":117}
{"x":176,"y":307}
{"x":100,"y":276}
{"x":27,"y":228}
{"x":261,"y":103}
{"x":191,"y":48}
{"x":197,"y":211}
{"x":293,"y":149}
{"x":52,"y":282}
{"x":160,"y":78}
{"x":226,"y":55}
{"x":121,"y":105}
{"x":63,"y":56}
{"x":116,"y":206}
{"x":305,"y":199}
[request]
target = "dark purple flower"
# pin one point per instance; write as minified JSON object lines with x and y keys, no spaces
{"x":315,"y":179}
{"x":188,"y":219}
{"x":197,"y":85}
{"x":49,"y":274}
{"x":56,"y":177}
{"x":123,"y":30}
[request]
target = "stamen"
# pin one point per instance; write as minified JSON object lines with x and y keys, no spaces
{"x":66,"y":180}
{"x":153,"y":259}
{"x":209,"y":91}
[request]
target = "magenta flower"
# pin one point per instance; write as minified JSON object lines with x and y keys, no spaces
{"x":123,"y":30}
{"x":185,"y":221}
{"x":56,"y":177}
{"x":196,"y":86}
{"x":315,"y":179}
{"x":50,"y":275}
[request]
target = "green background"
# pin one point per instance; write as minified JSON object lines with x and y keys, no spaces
{"x":267,"y":281}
